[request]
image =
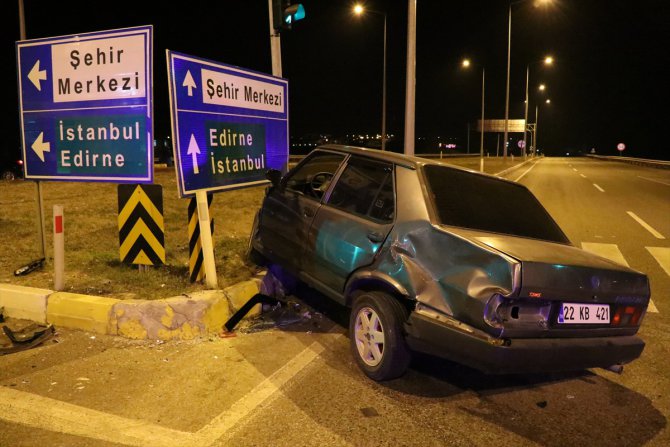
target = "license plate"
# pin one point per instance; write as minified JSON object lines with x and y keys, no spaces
{"x":578,"y":313}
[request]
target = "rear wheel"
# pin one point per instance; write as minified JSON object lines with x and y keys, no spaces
{"x":376,"y":336}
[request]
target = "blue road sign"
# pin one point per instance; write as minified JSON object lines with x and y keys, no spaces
{"x":229,"y":125}
{"x":86,"y":107}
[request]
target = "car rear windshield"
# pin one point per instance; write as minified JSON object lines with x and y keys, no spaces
{"x":469,"y":200}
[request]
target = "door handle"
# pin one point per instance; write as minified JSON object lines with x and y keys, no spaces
{"x":308,"y":212}
{"x":375,"y":236}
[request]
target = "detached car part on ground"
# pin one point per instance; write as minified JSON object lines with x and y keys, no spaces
{"x":438,"y":259}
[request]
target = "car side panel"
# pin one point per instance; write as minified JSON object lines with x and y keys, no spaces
{"x":339,"y":243}
{"x":284,"y":221}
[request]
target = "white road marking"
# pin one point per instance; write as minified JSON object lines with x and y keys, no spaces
{"x":646,"y":226}
{"x":662,"y":256}
{"x":582,"y":175}
{"x":612,"y":252}
{"x":264,"y":391}
{"x":654,"y":180}
{"x":574,"y":169}
{"x":525,"y":172}
{"x":598,"y":188}
{"x":609,"y":251}
{"x":61,"y":417}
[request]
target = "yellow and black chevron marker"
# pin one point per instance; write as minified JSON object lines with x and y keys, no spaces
{"x":141,"y":230}
{"x":195,"y":268}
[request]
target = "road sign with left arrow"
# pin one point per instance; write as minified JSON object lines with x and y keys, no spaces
{"x":86,"y":106}
{"x":229,"y":125}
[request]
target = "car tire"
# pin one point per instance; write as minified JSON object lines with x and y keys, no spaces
{"x":8,"y":176}
{"x":377,"y":337}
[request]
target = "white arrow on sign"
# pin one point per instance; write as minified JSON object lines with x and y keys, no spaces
{"x":189,"y":83}
{"x":194,"y":151}
{"x":36,"y":75}
{"x":40,"y":146}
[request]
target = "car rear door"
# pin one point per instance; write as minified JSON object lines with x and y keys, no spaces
{"x":352,"y":225}
{"x":288,"y":210}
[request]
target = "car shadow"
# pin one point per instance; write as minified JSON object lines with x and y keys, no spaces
{"x":551,"y":409}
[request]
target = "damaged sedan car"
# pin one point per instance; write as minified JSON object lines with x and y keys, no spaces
{"x":439,"y":259}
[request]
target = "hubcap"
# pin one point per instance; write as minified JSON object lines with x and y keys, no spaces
{"x":369,"y":336}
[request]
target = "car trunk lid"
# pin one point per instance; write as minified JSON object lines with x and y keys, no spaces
{"x":562,"y":272}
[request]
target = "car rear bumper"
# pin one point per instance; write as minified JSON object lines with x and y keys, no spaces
{"x":520,"y":355}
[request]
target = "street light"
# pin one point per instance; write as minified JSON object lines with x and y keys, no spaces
{"x":509,"y":49}
{"x":466,"y":64}
{"x":537,"y":108}
{"x":359,"y":10}
{"x":548,"y":60}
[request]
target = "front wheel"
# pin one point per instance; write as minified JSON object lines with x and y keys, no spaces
{"x":376,"y":336}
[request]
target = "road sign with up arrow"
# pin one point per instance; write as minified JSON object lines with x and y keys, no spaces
{"x":229,"y":125}
{"x":86,"y":106}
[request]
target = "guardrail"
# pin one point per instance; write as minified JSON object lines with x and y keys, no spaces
{"x":659,"y":164}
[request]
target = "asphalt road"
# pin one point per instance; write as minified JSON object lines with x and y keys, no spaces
{"x":298,"y":386}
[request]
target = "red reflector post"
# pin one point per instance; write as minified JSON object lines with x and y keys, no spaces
{"x":58,"y":224}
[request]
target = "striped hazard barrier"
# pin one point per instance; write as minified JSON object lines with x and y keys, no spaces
{"x":141,"y":229}
{"x":195,"y":257}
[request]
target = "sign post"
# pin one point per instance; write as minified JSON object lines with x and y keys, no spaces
{"x":229,"y":126}
{"x":85,"y":104}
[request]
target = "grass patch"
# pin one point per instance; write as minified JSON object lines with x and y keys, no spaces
{"x":92,"y":264}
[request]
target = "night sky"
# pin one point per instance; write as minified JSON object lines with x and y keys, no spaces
{"x":608,"y":84}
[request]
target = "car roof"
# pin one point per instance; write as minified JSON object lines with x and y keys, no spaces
{"x":409,"y":161}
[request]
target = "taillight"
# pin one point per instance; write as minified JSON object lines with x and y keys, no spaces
{"x":627,"y":316}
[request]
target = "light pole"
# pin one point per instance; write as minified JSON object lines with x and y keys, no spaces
{"x":466,"y":64}
{"x":547,"y":61}
{"x":360,"y":10}
{"x":509,"y":52}
{"x":537,"y":108}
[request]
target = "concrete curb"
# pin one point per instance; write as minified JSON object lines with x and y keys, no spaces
{"x":182,"y":317}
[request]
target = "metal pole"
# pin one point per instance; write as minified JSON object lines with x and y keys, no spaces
{"x":468,"y":138}
{"x":384,"y":92}
{"x":41,"y":236}
{"x":22,"y":21}
{"x":525,"y":114}
{"x":509,"y":48}
{"x":275,"y":44}
{"x":481,"y":141}
{"x":410,"y":86}
{"x":537,"y":108}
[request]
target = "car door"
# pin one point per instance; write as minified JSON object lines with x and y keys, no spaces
{"x":352,"y":225}
{"x":288,"y":210}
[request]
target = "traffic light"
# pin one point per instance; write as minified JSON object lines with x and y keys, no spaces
{"x":284,"y":14}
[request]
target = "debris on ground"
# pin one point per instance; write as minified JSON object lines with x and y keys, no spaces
{"x":30,"y":267}
{"x":24,"y":338}
{"x":283,"y":314}
{"x":246,"y":308}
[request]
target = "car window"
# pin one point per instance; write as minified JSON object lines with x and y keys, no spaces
{"x":468,"y":200}
{"x":313,"y":176}
{"x":365,"y":188}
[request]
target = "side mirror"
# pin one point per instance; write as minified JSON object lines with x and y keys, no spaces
{"x":274,"y":176}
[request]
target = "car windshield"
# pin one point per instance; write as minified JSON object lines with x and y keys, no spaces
{"x":468,"y":200}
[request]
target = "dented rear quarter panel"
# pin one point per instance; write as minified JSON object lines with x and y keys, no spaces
{"x":447,"y":272}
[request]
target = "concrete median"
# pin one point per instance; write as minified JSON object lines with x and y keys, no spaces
{"x":182,"y":317}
